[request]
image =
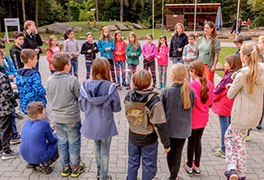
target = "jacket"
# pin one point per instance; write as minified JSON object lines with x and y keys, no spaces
{"x":49,"y":54}
{"x":247,"y":108}
{"x":15,"y":52}
{"x":103,"y":44}
{"x":153,"y":119}
{"x":87,"y":46}
{"x":214,"y":50}
{"x":9,"y":66}
{"x":187,"y":54}
{"x":37,"y":134}
{"x":179,"y":120}
{"x":120,"y":47}
{"x":177,"y":41}
{"x":32,"y":41}
{"x":150,"y":50}
{"x":63,"y":91}
{"x":132,"y":54}
{"x":7,"y":96}
{"x":200,"y":113}
{"x":99,"y":100}
{"x":30,"y":88}
{"x":163,"y":55}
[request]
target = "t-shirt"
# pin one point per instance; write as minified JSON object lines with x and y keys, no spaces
{"x":204,"y":50}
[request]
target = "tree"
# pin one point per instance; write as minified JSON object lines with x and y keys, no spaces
{"x":69,"y":10}
{"x":36,"y":12}
{"x":122,"y":2}
{"x":23,"y":11}
{"x":96,"y":8}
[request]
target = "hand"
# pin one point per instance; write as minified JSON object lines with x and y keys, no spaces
{"x":89,"y":51}
{"x":228,"y":85}
{"x":107,"y":49}
{"x":170,"y":58}
{"x":11,"y":76}
{"x":165,"y":151}
{"x":213,"y":69}
{"x":179,"y":49}
{"x":13,"y":86}
{"x":37,"y":51}
{"x":95,"y":48}
{"x":147,"y":56}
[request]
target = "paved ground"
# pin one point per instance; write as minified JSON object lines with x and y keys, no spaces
{"x":212,"y":167}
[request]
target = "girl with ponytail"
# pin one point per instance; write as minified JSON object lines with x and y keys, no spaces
{"x":178,"y":101}
{"x":203,"y":90}
{"x":247,"y":87}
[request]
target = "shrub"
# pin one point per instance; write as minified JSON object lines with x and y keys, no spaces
{"x":86,"y":15}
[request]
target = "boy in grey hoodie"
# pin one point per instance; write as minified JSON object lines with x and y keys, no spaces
{"x":62,"y":94}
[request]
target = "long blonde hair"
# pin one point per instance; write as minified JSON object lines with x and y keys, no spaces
{"x":102,"y":34}
{"x":135,"y":43}
{"x":179,"y":74}
{"x":250,"y":49}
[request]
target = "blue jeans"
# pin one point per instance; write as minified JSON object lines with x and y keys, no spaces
{"x":88,"y":65}
{"x":120,"y":67}
{"x":14,"y":128}
{"x":176,"y":60}
{"x":224,"y":123}
{"x":148,"y":154}
{"x":102,"y":151}
{"x":74,"y":66}
{"x":69,"y":144}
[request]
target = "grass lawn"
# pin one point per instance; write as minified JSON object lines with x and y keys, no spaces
{"x":225,"y":51}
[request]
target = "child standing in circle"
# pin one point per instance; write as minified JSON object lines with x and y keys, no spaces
{"x":203,"y":90}
{"x":53,"y":48}
{"x":71,"y":46}
{"x":162,"y":56}
{"x":247,"y":87}
{"x":221,"y":104}
{"x":133,"y":51}
{"x":149,"y":51}
{"x":178,"y":101}
{"x":89,"y":49}
{"x":106,"y":47}
{"x":120,"y":58}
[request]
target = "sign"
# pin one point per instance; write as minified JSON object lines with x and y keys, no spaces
{"x":11,"y":22}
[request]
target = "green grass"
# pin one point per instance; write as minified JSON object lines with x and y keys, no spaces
{"x":225,"y":51}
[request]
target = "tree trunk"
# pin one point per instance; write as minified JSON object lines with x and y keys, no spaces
{"x":23,"y":11}
{"x":96,"y":7}
{"x":37,"y":12}
{"x":69,"y":10}
{"x":121,"y":10}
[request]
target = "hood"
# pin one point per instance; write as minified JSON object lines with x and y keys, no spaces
{"x":138,"y":95}
{"x":26,"y":72}
{"x":97,"y":92}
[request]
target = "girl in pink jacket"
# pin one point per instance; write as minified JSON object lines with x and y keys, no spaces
{"x":53,"y":47}
{"x":162,"y":57}
{"x":203,"y":91}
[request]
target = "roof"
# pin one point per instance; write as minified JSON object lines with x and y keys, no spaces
{"x":200,"y":5}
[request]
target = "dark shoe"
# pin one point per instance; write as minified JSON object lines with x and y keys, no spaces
{"x":231,"y":174}
{"x":18,"y":116}
{"x":9,"y":154}
{"x":242,"y":178}
{"x":44,"y":169}
{"x":124,"y":84}
{"x":109,"y":177}
{"x":32,"y":166}
{"x":66,"y":171}
{"x":259,"y":127}
{"x":1,"y":152}
{"x":77,"y":171}
{"x":14,"y":141}
{"x":128,"y":87}
{"x":51,"y":161}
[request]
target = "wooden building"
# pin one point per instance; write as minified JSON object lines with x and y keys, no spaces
{"x":184,"y":13}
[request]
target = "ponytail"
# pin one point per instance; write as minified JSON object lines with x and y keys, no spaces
{"x":185,"y":94}
{"x":205,"y":90}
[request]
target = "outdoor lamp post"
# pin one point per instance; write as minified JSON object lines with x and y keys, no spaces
{"x":162,"y":20}
{"x":153,"y":18}
{"x":93,"y":10}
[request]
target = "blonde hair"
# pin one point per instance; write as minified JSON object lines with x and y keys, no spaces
{"x":179,"y":24}
{"x":102,"y":34}
{"x":135,"y":43}
{"x":51,"y":38}
{"x":178,"y":74}
{"x":141,"y":79}
{"x":28,"y":23}
{"x":116,"y":33}
{"x":250,"y":49}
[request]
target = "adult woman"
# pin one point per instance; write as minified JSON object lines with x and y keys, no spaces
{"x":208,"y":47}
{"x":178,"y":41}
{"x":32,"y":38}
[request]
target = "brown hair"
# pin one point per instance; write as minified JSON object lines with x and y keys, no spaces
{"x":163,"y":36}
{"x":109,"y":38}
{"x":18,"y":34}
{"x":179,"y":74}
{"x":261,"y":38}
{"x":27,"y":54}
{"x":34,"y":109}
{"x":191,"y":35}
{"x":234,"y":62}
{"x":136,"y":43}
{"x":197,"y":68}
{"x":150,"y":35}
{"x":60,"y":60}
{"x":239,"y":39}
{"x":141,"y":79}
{"x":250,"y":49}
{"x":1,"y":54}
{"x":213,"y":33}
{"x":116,"y":33}
{"x":28,"y":23}
{"x":101,"y":69}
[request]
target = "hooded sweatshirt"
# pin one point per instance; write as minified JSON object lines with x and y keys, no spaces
{"x":98,"y":100}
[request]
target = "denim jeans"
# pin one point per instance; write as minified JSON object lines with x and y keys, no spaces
{"x":148,"y":154}
{"x":74,"y":66}
{"x":102,"y":152}
{"x":88,"y":65}
{"x":120,"y":67}
{"x":69,"y":144}
{"x":132,"y":68}
{"x":176,"y":60}
{"x":224,"y":123}
{"x":14,"y":127}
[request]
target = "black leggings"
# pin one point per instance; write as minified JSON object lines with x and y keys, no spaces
{"x":194,"y":147}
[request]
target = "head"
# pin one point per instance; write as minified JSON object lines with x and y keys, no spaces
{"x":2,"y":48}
{"x":191,"y":39}
{"x":18,"y":38}
{"x":162,"y":40}
{"x":141,"y":79}
{"x":29,"y":57}
{"x":30,"y":26}
{"x":89,"y":37}
{"x":61,"y":62}
{"x":261,"y":43}
{"x":132,"y":39}
{"x":105,"y":33}
{"x":52,"y":41}
{"x":149,"y":38}
{"x":197,"y":71}
{"x":69,"y":34}
{"x":238,"y":41}
{"x":35,"y":110}
{"x":179,"y":28}
{"x":209,"y":30}
{"x":233,"y":62}
{"x":1,"y":57}
{"x":118,"y":35}
{"x":101,"y":69}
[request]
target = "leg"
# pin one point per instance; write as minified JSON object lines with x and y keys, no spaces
{"x":97,"y":155}
{"x":198,"y":147}
{"x":152,"y":67}
{"x":191,"y":148}
{"x":74,"y":138}
{"x":160,"y":75}
{"x":104,"y":154}
{"x":174,"y":60}
{"x":145,"y":64}
{"x":123,"y":67}
{"x":224,"y":123}
{"x":241,"y":152}
{"x":5,"y":132}
{"x":112,"y":69}
{"x":174,"y":157}
{"x":209,"y":73}
{"x":88,"y":65}
{"x":149,"y":161}
{"x":75,"y":66}
{"x":134,"y":154}
{"x":130,"y":67}
{"x":117,"y":67}
{"x":165,"y":76}
{"x":14,"y":128}
{"x":230,"y":145}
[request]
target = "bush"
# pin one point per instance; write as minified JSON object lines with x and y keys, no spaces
{"x":86,"y":15}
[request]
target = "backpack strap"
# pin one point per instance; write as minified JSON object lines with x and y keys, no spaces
{"x":83,"y":90}
{"x":111,"y":87}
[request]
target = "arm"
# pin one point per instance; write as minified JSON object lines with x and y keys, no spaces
{"x":5,"y":87}
{"x":100,"y":46}
{"x":76,"y":88}
{"x":116,"y":102}
{"x":84,"y":49}
{"x":154,"y":52}
{"x":138,"y":53}
{"x":95,"y":48}
{"x":11,"y":66}
{"x":236,"y":85}
{"x":49,"y":136}
{"x":14,"y":54}
{"x":184,"y":52}
{"x":123,"y":49}
{"x":128,"y":52}
{"x":38,"y":40}
{"x":217,"y":47}
{"x":112,"y":45}
{"x":66,"y":46}
{"x":49,"y":55}
{"x":171,"y":47}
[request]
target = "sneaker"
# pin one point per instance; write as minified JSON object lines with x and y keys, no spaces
{"x":44,"y":169}
{"x":196,"y":170}
{"x":66,"y":171}
{"x":9,"y":154}
{"x":77,"y":171}
{"x":51,"y":161}
{"x":109,"y":177}
{"x":1,"y":152}
{"x":32,"y":166}
{"x":124,"y":84}
{"x":259,"y":127}
{"x":231,"y":174}
{"x":247,"y":138}
{"x":128,"y":88}
{"x":188,"y":170}
{"x":14,"y":141}
{"x":242,"y":178}
{"x":218,"y":152}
